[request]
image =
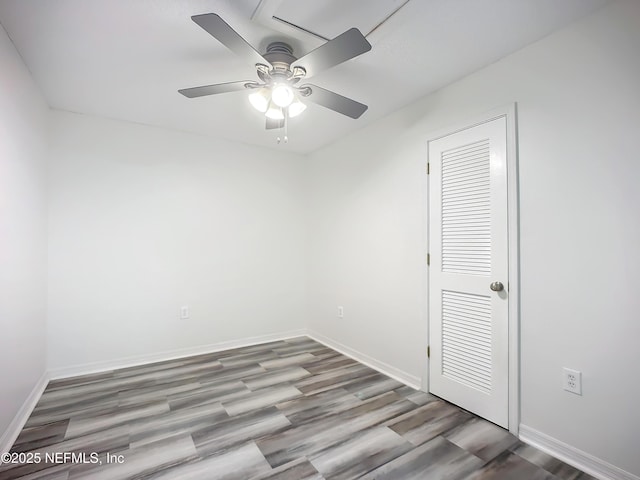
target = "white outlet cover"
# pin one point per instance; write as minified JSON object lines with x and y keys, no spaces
{"x":572,"y":380}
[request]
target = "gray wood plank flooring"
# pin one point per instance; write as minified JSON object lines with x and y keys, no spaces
{"x":286,"y":410}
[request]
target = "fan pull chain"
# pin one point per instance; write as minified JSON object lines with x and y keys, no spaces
{"x":286,"y":125}
{"x":286,"y":129}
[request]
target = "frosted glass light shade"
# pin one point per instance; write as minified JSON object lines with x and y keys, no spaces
{"x":296,"y":108}
{"x":260,"y":100}
{"x":282,"y":95}
{"x":274,"y":112}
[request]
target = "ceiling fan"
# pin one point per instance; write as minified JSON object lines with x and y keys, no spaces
{"x":279,"y":93}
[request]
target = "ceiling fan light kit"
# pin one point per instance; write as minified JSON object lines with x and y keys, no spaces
{"x":279,"y":96}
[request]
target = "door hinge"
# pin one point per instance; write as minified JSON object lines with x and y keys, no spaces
{"x":428,"y":351}
{"x":428,"y":259}
{"x":428,"y":168}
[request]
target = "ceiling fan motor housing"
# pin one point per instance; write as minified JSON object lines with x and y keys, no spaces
{"x":280,"y":55}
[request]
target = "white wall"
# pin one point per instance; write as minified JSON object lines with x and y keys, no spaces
{"x":144,"y":220}
{"x":23,"y":137}
{"x":578,"y":94}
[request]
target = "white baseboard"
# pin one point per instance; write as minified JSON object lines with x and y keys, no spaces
{"x":571,"y":455}
{"x":97,"y":367}
{"x":390,"y":371}
{"x":15,"y":427}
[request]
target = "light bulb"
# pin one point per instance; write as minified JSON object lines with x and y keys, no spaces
{"x":260,"y":100}
{"x":274,"y":112}
{"x":296,"y":108}
{"x":282,"y":95}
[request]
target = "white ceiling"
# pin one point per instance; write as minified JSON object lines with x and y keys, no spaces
{"x":126,"y":59}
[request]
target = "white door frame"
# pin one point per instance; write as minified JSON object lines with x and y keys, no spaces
{"x":509,"y":113}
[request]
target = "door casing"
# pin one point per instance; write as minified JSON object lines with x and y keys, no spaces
{"x":509,"y":113}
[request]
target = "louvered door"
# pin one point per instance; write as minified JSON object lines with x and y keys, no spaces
{"x":468,"y":321}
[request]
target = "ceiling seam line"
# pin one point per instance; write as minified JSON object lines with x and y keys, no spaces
{"x":282,"y":20}
{"x":386,"y":19}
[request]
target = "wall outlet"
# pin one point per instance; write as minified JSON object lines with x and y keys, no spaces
{"x":340,"y":312}
{"x":184,"y":312}
{"x":572,"y":380}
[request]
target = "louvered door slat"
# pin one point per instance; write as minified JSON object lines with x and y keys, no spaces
{"x":456,"y":357}
{"x":458,"y":176}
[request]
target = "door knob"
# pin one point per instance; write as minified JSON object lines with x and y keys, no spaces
{"x":496,"y":286}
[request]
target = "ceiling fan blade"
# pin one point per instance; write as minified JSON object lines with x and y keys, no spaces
{"x":344,"y":47}
{"x":213,"y":89}
{"x":335,"y":102}
{"x":273,"y":124}
{"x":220,"y":30}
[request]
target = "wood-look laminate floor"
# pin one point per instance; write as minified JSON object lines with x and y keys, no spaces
{"x":291,"y":409}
